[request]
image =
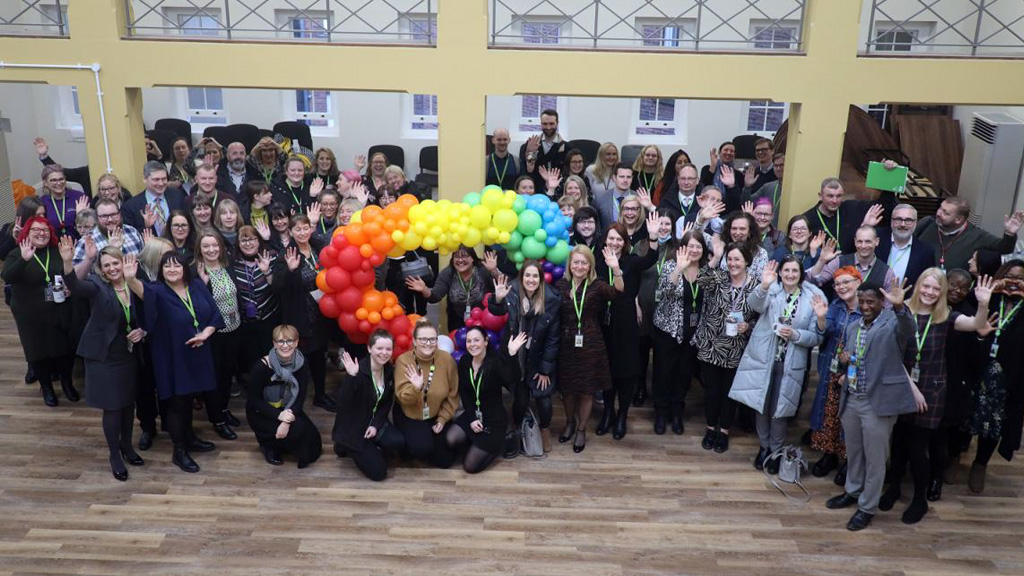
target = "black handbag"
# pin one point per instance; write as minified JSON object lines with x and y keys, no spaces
{"x":417,"y":267}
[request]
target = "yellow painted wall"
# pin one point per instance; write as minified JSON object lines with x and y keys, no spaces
{"x":461,"y":71}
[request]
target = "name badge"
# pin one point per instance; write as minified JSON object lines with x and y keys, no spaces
{"x":915,"y":374}
{"x":657,"y":296}
{"x":608,"y":316}
{"x":833,"y":366}
{"x":994,"y":351}
{"x":479,"y":415}
{"x":579,"y":340}
{"x":316,"y":294}
{"x":851,"y":374}
{"x":48,"y":293}
{"x":694,"y":319}
{"x":426,"y":411}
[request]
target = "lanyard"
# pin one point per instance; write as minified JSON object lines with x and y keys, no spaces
{"x":683,"y":207}
{"x":311,"y":260}
{"x":943,"y":247}
{"x":63,"y":206}
{"x":182,"y":174}
{"x":791,"y":304}
{"x":829,"y":232}
{"x":126,"y":308}
{"x":1004,"y":319}
{"x":694,"y":292}
{"x":860,"y":346}
{"x":648,"y":183}
{"x":578,"y":306}
{"x":430,"y":380}
{"x":187,"y":301}
{"x":472,"y":278}
{"x":45,"y":267}
{"x":504,"y":169}
{"x":842,"y":333}
{"x":298,"y":203}
{"x":476,"y":379}
{"x":920,"y":337}
{"x":661,"y":263}
{"x":268,"y":175}
{"x":903,"y":252}
{"x":322,"y":227}
{"x":377,"y":390}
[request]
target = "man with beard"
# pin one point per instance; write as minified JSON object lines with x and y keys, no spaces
{"x":906,"y":258}
{"x":547,"y":150}
{"x":108,"y":231}
{"x":840,"y":219}
{"x":233,"y":174}
{"x":955,"y":239}
{"x":502,"y":168}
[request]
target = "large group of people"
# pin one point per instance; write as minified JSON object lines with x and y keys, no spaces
{"x":205,"y":282}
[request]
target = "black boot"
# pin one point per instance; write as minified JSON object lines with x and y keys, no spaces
{"x":620,"y":424}
{"x":325,"y":402}
{"x":69,"y":392}
{"x":641,"y":395}
{"x":840,"y":477}
{"x":182,"y":459}
{"x":231,"y":420}
{"x":677,"y":421}
{"x":607,"y":418}
{"x":659,"y":422}
{"x":30,"y":375}
{"x":49,"y":397}
{"x":824,"y":465}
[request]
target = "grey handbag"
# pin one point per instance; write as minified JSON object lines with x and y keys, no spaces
{"x":533,"y":446}
{"x":791,"y":466}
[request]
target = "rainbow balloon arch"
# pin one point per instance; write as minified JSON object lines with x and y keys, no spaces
{"x":526,"y":227}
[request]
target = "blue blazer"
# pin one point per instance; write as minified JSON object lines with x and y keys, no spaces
{"x":105,"y":313}
{"x":131,"y":211}
{"x":921,"y":257}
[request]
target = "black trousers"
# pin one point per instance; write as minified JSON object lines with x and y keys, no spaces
{"x":146,"y":406}
{"x":225,"y":347}
{"x":254,"y":342}
{"x":45,"y":369}
{"x":521,"y":402}
{"x":421,"y":443}
{"x":719,"y":410}
{"x":372,"y":460}
{"x":646,"y":344}
{"x":674,"y":367}
{"x":179,"y":420}
{"x":910,"y":444}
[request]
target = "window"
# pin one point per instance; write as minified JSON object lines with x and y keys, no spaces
{"x":657,"y":119}
{"x":665,"y":33}
{"x":206,"y":106}
{"x":305,"y":27}
{"x":530,"y":108}
{"x":422,"y":28}
{"x":313,"y":108}
{"x":69,"y":113}
{"x":74,"y":101}
{"x":424,"y":112}
{"x":895,"y":40}
{"x":904,"y":36}
{"x":775,"y":37}
{"x":765,"y":115}
{"x":880,"y":112}
{"x":539,"y":31}
{"x":56,"y":23}
{"x":199,"y":23}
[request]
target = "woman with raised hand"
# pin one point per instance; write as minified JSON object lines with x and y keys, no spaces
{"x":252,"y":269}
{"x":676,"y":317}
{"x":464,"y":283}
{"x":582,"y":353}
{"x":113,"y":362}
{"x":362,"y":427}
{"x":926,"y":354}
{"x":179,"y":315}
{"x":483,"y":374}
{"x":39,"y":307}
{"x":726,"y":315}
{"x":621,"y":323}
{"x":277,"y":391}
{"x":648,"y":296}
{"x":61,"y":203}
{"x":213,"y":270}
{"x":533,"y":308}
{"x":800,"y":242}
{"x":427,"y":391}
{"x":770,"y":374}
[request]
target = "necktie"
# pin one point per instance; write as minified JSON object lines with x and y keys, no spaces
{"x":161,"y":216}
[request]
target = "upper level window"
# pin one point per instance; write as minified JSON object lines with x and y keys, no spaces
{"x":313,"y":107}
{"x":530,"y":108}
{"x":666,"y":33}
{"x":306,"y":27}
{"x":540,"y":31}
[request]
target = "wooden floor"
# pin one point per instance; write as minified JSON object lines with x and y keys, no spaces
{"x":646,"y":505}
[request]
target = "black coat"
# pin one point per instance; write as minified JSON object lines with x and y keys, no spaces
{"x":303,"y":439}
{"x":670,"y":200}
{"x":281,"y":192}
{"x":622,"y":334}
{"x":297,"y":305}
{"x":103,"y":325}
{"x":131,"y":211}
{"x":42,"y":326}
{"x":543,"y":332}
{"x":498,"y":371}
{"x":357,"y":400}
{"x":921,"y":257}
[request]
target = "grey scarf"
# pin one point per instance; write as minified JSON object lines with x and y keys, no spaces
{"x":285,"y":393}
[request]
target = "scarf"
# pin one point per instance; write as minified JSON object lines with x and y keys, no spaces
{"x":283,"y":394}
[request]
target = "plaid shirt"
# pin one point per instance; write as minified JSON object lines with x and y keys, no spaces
{"x":132,"y":242}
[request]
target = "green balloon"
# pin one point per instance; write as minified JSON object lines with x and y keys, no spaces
{"x":518,"y":257}
{"x":541,"y":234}
{"x":533,"y":248}
{"x":519,"y":205}
{"x":492,"y":187}
{"x":529,"y":222}
{"x":558,"y":253}
{"x":515,"y":241}
{"x":472,"y":198}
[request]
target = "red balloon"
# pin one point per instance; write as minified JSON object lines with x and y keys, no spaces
{"x":492,"y":322}
{"x":337,"y":278}
{"x":328,"y":256}
{"x":362,"y":278}
{"x":383,"y":325}
{"x":376,"y":260}
{"x":402,"y":341}
{"x":548,"y":278}
{"x":349,"y":299}
{"x":476,"y":314}
{"x":348,"y":323}
{"x":399,"y":326}
{"x":487,"y":300}
{"x":472,"y":323}
{"x":365,"y":327}
{"x":339,"y":241}
{"x":357,"y":337}
{"x":328,"y":307}
{"x":366,"y":264}
{"x":349,"y":258}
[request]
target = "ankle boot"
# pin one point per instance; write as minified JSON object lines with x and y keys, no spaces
{"x":677,"y":421}
{"x":49,"y":397}
{"x":659,"y":422}
{"x":182,"y":459}
{"x":69,"y":392}
{"x":620,"y":424}
{"x":607,"y":418}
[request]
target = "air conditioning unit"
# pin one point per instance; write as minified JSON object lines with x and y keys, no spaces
{"x":991,"y":171}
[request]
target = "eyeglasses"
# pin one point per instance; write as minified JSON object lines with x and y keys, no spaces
{"x":903,"y":220}
{"x":688,"y":178}
{"x":179,"y":225}
{"x":760,"y":150}
{"x":285,"y":342}
{"x":108,"y":189}
{"x":630,"y":209}
{"x":427,"y":340}
{"x":39,"y":230}
{"x":56,"y":180}
{"x":107,"y":216}
{"x":846,"y":282}
{"x":801,"y":229}
{"x":248,"y":240}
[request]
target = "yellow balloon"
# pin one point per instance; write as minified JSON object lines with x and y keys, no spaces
{"x":397,"y":236}
{"x":436,"y":231}
{"x":416,"y":213}
{"x":480,"y":217}
{"x":411,"y":241}
{"x":471,"y":237}
{"x":491,"y":235}
{"x":421,"y":228}
{"x":492,"y":198}
{"x":504,"y":237}
{"x":429,"y":243}
{"x":357,"y":217}
{"x":397,"y":251}
{"x":505,"y":220}
{"x":510,"y":199}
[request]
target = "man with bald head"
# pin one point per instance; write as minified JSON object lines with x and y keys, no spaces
{"x":502,"y":167}
{"x":872,"y":268}
{"x":235,"y":171}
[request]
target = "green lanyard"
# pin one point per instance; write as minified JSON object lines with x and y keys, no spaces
{"x":791,"y":305}
{"x":578,"y":306}
{"x":694,"y":292}
{"x":648,"y":184}
{"x":298,"y":203}
{"x":892,"y":263}
{"x":45,"y":267}
{"x":311,"y":260}
{"x":829,"y":232}
{"x":472,"y":278}
{"x":1003,"y":319}
{"x":683,"y":207}
{"x":127,"y":309}
{"x":63,"y":206}
{"x":187,"y":301}
{"x":661,"y":263}
{"x":921,"y":337}
{"x":860,"y":346}
{"x":322,"y":227}
{"x":501,"y":177}
{"x":476,"y":379}
{"x":268,"y":175}
{"x":377,"y":390}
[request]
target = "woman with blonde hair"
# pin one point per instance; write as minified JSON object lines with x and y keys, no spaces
{"x":648,"y":168}
{"x":227,"y":219}
{"x":601,"y":174}
{"x":109,"y":186}
{"x":632,"y":216}
{"x":576,"y":188}
{"x":325,"y":168}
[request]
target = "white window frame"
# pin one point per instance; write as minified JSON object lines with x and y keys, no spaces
{"x":284,"y":19}
{"x":884,"y":107}
{"x":412,"y":23}
{"x":66,"y":116}
{"x":50,"y":11}
{"x":409,"y":117}
{"x":793,"y":25}
{"x":917,"y":30}
{"x":686,"y":27}
{"x":748,"y":105}
{"x":180,"y":15}
{"x":202,"y":116}
{"x":517,"y":119}
{"x":292,"y":111}
{"x":564,"y":29}
{"x":678,"y":123}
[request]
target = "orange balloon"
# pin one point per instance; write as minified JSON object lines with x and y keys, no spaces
{"x":362,"y":313}
{"x":407,"y":200}
{"x":390,"y":299}
{"x":373,"y":300}
{"x":403,"y":225}
{"x":371,"y":212}
{"x":366,"y":250}
{"x":373,"y":317}
{"x":354,"y":234}
{"x":413,"y":319}
{"x":372,"y":229}
{"x":382,"y":243}
{"x":388,"y":226}
{"x":395,"y":211}
{"x":387,"y":313}
{"x":321,"y":282}
{"x":338,"y":230}
{"x":398,"y":309}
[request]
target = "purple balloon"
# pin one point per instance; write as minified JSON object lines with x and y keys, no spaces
{"x":458,"y":354}
{"x":494,"y":339}
{"x":547,"y":266}
{"x":460,"y":339}
{"x":558,"y":272}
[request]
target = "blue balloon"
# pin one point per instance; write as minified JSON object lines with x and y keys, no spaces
{"x":458,"y":354}
{"x":551,"y":241}
{"x":538,"y":203}
{"x":494,"y":339}
{"x":460,"y":338}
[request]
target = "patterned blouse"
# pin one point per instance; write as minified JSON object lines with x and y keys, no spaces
{"x":676,"y":302}
{"x":256,"y":299}
{"x":721,"y":298}
{"x":226,"y":296}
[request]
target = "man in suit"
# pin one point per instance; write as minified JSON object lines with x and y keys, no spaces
{"x":875,"y":392}
{"x":906,"y":258}
{"x":152,"y":208}
{"x":546,"y":149}
{"x":682,"y":196}
{"x":607,"y":204}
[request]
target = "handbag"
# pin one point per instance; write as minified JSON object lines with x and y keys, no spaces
{"x":791,"y":466}
{"x":416,"y":267}
{"x":533,"y":446}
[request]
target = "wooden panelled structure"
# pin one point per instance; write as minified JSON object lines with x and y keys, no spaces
{"x":646,"y":505}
